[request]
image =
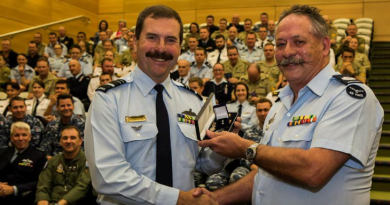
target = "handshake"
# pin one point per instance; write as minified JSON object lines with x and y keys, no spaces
{"x":199,"y":196}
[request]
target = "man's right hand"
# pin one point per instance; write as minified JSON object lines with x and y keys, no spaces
{"x":187,"y":198}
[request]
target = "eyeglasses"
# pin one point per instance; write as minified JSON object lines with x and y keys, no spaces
{"x":218,"y":70}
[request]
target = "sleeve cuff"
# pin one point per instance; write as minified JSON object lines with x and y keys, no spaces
{"x":15,"y":190}
{"x":167,"y":196}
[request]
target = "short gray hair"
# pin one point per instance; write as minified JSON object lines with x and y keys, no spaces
{"x":318,"y":24}
{"x":20,"y":125}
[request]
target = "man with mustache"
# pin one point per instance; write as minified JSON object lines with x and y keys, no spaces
{"x":320,"y":137}
{"x":139,"y":148}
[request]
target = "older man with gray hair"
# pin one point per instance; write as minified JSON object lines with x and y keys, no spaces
{"x":307,"y":156}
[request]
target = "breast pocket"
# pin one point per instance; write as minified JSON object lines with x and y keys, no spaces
{"x":140,"y":143}
{"x":299,"y":136}
{"x":189,"y":150}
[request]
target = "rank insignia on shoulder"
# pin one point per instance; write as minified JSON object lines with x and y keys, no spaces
{"x":346,"y":79}
{"x":356,"y":91}
{"x":304,"y":119}
{"x":110,"y":85}
{"x":189,"y":89}
{"x":275,"y":93}
{"x":139,"y":118}
{"x":193,"y":63}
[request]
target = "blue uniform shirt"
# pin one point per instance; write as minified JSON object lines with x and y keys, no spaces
{"x":189,"y":56}
{"x":122,"y":154}
{"x":343,"y":123}
{"x":206,"y":71}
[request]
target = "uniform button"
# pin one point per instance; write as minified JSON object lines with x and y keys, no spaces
{"x":296,"y":136}
{"x":279,"y":139}
{"x":138,"y":135}
{"x":288,"y":114}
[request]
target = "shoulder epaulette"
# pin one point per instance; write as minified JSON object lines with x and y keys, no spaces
{"x":110,"y":85}
{"x":188,"y":88}
{"x":208,"y":64}
{"x":193,"y":63}
{"x":275,"y":93}
{"x":346,"y":79}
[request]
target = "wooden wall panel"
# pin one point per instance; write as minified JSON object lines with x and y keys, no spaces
{"x":111,"y":6}
{"x":8,"y":25}
{"x":29,"y":12}
{"x":132,"y":6}
{"x":380,"y":13}
{"x":131,"y":19}
{"x":89,"y":5}
{"x":312,"y":2}
{"x":62,"y":10}
{"x":218,"y":4}
{"x":189,"y":16}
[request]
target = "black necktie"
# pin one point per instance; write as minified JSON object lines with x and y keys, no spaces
{"x":34,"y":112}
{"x":181,"y":80}
{"x":262,"y":44}
{"x":163,"y":152}
{"x":5,"y":111}
{"x":219,"y":56}
{"x":239,"y":111}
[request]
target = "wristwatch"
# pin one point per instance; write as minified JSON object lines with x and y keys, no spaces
{"x":251,"y":152}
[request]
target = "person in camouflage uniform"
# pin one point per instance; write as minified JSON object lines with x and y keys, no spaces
{"x":238,"y":168}
{"x":66,"y":178}
{"x":51,"y":141}
{"x":259,"y":85}
{"x":18,"y":109}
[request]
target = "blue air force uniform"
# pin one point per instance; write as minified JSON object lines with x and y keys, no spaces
{"x":339,"y":115}
{"x":206,"y":71}
{"x":125,"y":172}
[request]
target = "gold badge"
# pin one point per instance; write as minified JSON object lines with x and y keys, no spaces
{"x":139,"y":118}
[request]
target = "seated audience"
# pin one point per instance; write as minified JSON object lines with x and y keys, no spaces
{"x":37,"y":105}
{"x":53,"y":187}
{"x":20,"y":166}
{"x":57,"y":61}
{"x":22,"y":73}
{"x":63,"y":87}
{"x":19,"y":114}
{"x":51,"y":141}
{"x":219,"y":85}
{"x":107,"y":67}
{"x":75,"y":54}
{"x":9,"y":55}
{"x":49,"y":49}
{"x":201,"y":67}
{"x":183,"y":71}
{"x":259,"y":86}
{"x":44,"y":76}
{"x":349,"y":68}
{"x":78,"y":83}
{"x":4,"y":74}
{"x":32,"y":54}
{"x":242,"y":107}
{"x":235,"y":67}
{"x":351,"y":33}
{"x":12,"y":90}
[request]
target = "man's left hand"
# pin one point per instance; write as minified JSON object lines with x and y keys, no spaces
{"x":226,"y":144}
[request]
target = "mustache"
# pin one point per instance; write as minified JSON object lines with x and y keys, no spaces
{"x":163,"y":55}
{"x":292,"y":60}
